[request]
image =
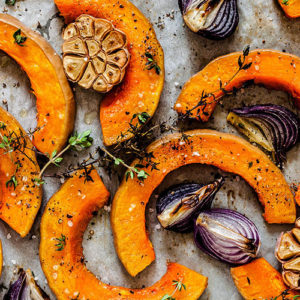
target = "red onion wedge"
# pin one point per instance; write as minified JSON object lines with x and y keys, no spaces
{"x":213,"y":19}
{"x":227,"y":236}
{"x":273,"y":127}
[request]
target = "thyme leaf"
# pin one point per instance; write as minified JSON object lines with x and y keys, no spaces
{"x":10,"y":2}
{"x":19,"y":39}
{"x":61,"y":242}
{"x":151,"y":63}
{"x":178,"y":287}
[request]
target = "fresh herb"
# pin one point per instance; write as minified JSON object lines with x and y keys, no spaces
{"x":10,"y":2}
{"x":19,"y":39}
{"x":285,"y":295}
{"x":61,"y":242}
{"x":77,"y":142}
{"x":12,"y":182}
{"x":178,"y":287}
{"x":285,"y":2}
{"x":151,"y":63}
{"x":203,"y":102}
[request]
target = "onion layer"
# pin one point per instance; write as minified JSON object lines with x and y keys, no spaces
{"x":214,"y":19}
{"x":273,"y":127}
{"x":227,"y":236}
{"x":177,"y":208}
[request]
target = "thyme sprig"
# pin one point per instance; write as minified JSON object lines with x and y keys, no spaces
{"x":285,"y":295}
{"x":10,"y":2}
{"x":285,"y":2}
{"x":178,"y":287}
{"x":13,"y":182}
{"x":61,"y":243}
{"x":202,"y":103}
{"x":19,"y":38}
{"x":77,"y":142}
{"x":151,"y":63}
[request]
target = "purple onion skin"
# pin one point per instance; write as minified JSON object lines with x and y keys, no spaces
{"x":283,"y":124}
{"x":224,"y":24}
{"x":174,"y":194}
{"x":20,"y":289}
{"x":223,"y":249}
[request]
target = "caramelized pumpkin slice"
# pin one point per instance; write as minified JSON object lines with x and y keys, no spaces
{"x":291,"y":8}
{"x":63,"y":224}
{"x":141,"y":88}
{"x":259,"y":280}
{"x":54,"y":99}
{"x":20,"y":197}
{"x":273,"y":69}
{"x":298,"y":195}
{"x":225,"y":151}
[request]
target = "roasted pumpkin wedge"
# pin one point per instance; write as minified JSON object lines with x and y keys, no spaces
{"x":259,"y":280}
{"x":54,"y":99}
{"x":20,"y":197}
{"x":273,"y":69}
{"x":225,"y":151}
{"x":298,"y":196}
{"x":291,"y":8}
{"x":141,"y":87}
{"x":63,"y":224}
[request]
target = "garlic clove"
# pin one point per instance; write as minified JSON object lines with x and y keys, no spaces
{"x":74,"y":66}
{"x":296,"y":233}
{"x":70,"y":31}
{"x":112,"y":74}
{"x":291,"y":279}
{"x":113,"y":41}
{"x":102,"y":27}
{"x":287,"y":247}
{"x":292,"y":265}
{"x":119,"y":58}
{"x":88,"y":77}
{"x":101,"y":85}
{"x":99,"y":65}
{"x":93,"y":47}
{"x":75,"y":46}
{"x":85,"y":25}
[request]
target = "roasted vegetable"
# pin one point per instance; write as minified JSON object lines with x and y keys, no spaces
{"x":65,"y":219}
{"x":227,"y":235}
{"x":259,"y":280}
{"x":273,"y":127}
{"x":178,"y":207}
{"x":273,"y":69}
{"x":291,"y":8}
{"x":95,"y":53}
{"x":54,"y":99}
{"x":288,"y":253}
{"x":214,"y":19}
{"x":225,"y":151}
{"x":1,"y":258}
{"x":297,"y":198}
{"x":20,"y":197}
{"x":141,"y":88}
{"x":25,"y":288}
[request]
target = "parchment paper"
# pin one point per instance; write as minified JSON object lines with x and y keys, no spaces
{"x":262,"y":25}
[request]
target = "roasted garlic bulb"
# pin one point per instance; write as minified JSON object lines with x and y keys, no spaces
{"x":95,"y":53}
{"x":288,"y":253}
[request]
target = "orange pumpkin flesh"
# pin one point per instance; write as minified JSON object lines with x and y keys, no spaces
{"x":273,"y":69}
{"x":67,"y":214}
{"x":225,"y":151}
{"x":54,"y":99}
{"x":291,"y":8}
{"x":259,"y":280}
{"x":19,"y":206}
{"x":141,"y":88}
{"x":297,"y":198}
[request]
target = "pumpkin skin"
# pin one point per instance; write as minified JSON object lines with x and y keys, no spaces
{"x":65,"y":271}
{"x":225,"y":151}
{"x":18,"y":207}
{"x":291,"y":9}
{"x":259,"y":280}
{"x":54,"y":99}
{"x":273,"y":69}
{"x":141,"y":88}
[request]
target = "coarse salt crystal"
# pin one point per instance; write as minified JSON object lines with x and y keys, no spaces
{"x":70,"y":223}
